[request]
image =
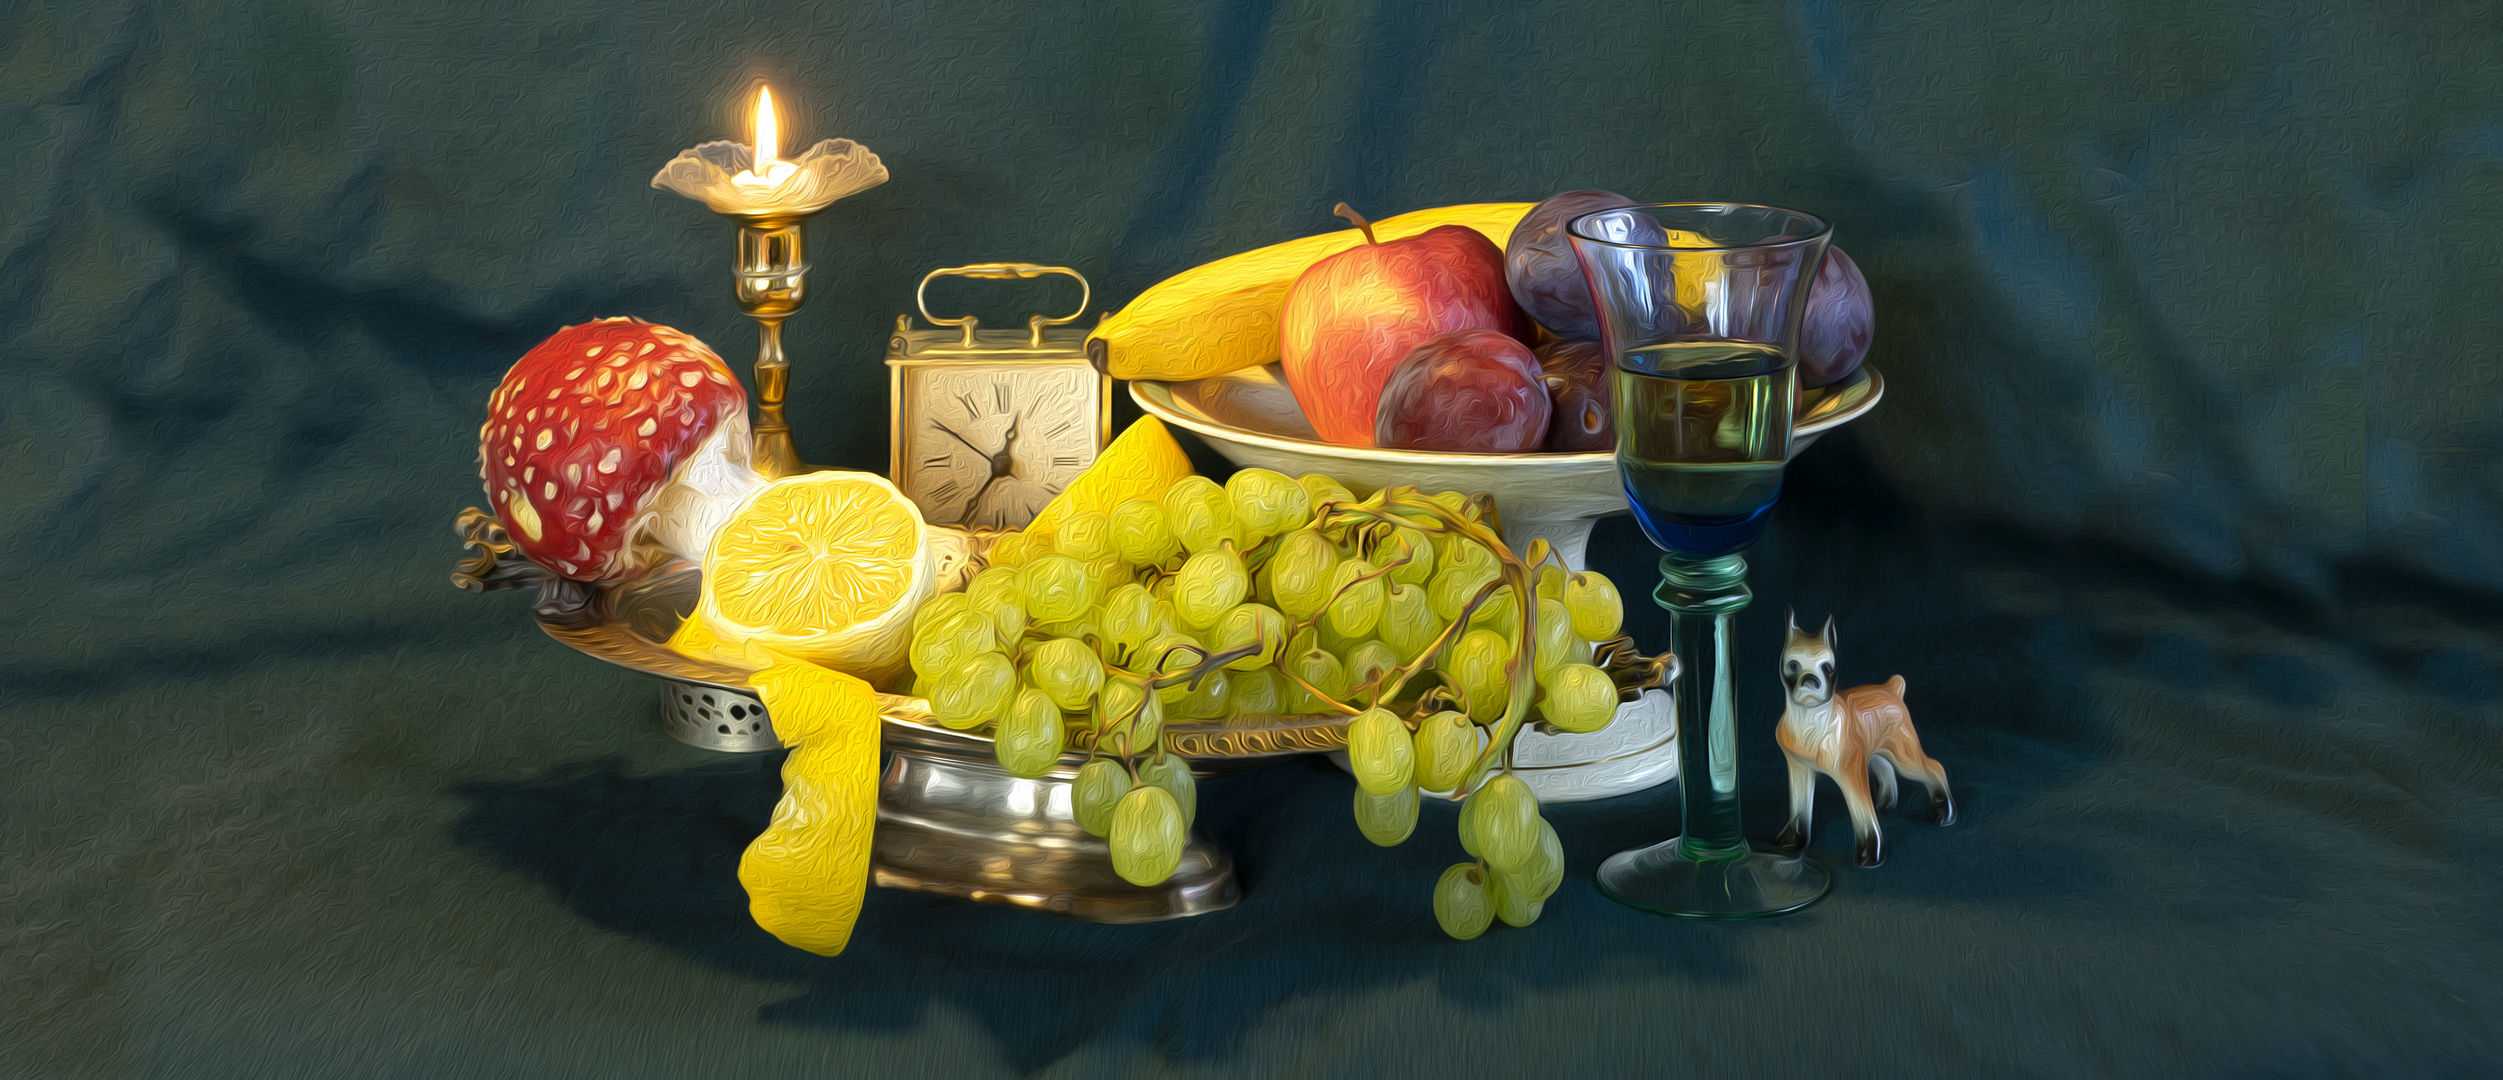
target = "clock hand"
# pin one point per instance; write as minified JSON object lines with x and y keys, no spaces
{"x":942,"y":426}
{"x":975,"y":503}
{"x":1004,"y":463}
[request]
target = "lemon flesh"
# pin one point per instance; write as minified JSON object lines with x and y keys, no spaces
{"x":825,"y":566}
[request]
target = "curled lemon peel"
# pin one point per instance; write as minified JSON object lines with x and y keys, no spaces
{"x":808,"y":872}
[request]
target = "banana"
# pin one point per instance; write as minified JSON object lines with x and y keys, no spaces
{"x":1221,"y":316}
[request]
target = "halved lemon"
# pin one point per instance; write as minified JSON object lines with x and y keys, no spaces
{"x":827,"y":566}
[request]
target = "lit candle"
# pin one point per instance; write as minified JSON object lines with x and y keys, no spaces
{"x":767,"y":171}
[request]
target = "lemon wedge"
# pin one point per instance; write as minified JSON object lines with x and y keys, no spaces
{"x":1140,"y":464}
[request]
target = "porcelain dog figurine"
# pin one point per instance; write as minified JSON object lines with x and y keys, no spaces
{"x":1847,"y":736}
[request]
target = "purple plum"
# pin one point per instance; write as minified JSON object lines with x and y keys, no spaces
{"x":1468,"y":390}
{"x":1576,"y":374}
{"x":1540,"y":266}
{"x":1834,"y":332}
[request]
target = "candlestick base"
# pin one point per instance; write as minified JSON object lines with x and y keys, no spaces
{"x":1747,"y":882}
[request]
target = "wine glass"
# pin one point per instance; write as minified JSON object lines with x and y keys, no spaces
{"x":1699,"y":307}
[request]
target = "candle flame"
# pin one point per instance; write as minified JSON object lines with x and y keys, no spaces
{"x":768,"y":134}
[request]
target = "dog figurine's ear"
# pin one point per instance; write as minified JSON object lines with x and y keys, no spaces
{"x":1827,"y":635}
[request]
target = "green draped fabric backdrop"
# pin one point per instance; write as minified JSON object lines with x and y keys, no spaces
{"x":2181,"y":517}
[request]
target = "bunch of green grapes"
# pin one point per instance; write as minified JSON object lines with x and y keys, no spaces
{"x":1271,"y":595}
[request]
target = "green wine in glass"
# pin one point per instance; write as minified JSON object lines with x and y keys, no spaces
{"x":1699,"y":307}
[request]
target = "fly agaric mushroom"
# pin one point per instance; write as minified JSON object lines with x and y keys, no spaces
{"x":610,"y":432}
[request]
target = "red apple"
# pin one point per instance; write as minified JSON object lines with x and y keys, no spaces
{"x":1469,"y":390}
{"x":1353,"y":316}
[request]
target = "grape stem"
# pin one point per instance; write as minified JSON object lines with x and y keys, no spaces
{"x":1400,"y":505}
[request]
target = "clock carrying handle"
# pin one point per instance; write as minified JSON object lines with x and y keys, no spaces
{"x":1002,"y":272}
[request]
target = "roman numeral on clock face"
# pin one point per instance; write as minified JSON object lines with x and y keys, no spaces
{"x":1066,"y":461}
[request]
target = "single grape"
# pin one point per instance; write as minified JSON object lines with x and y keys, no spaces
{"x":939,"y":607}
{"x":1475,"y":670}
{"x":1446,"y":745}
{"x":1461,"y":905}
{"x":1265,"y":503}
{"x":1504,"y":815}
{"x":1128,"y":620}
{"x":944,"y":645}
{"x":1322,"y":671}
{"x":1250,"y":624}
{"x":1058,"y":587}
{"x":1257,"y":693}
{"x":1147,"y":836}
{"x":1170,"y":772}
{"x":1067,"y":670}
{"x":1030,"y":736}
{"x":1412,"y":545}
{"x":1512,"y":899}
{"x":1380,"y":753}
{"x":1128,"y":719}
{"x":1099,"y":787}
{"x":975,"y":692}
{"x":1593,"y":602}
{"x":1140,"y":535}
{"x":1386,"y":819}
{"x":999,"y":595}
{"x":1408,"y":624}
{"x":1550,"y":581}
{"x":1339,"y":644}
{"x":1321,"y":489}
{"x":1210,"y":584}
{"x":1458,"y":583}
{"x":1084,"y":537}
{"x":1197,"y":512}
{"x":1358,"y":607}
{"x":1468,"y":835}
{"x":1371,"y":664}
{"x":1500,"y":613}
{"x":1300,"y":572}
{"x":1209,"y":699}
{"x":1558,"y":645}
{"x":1545,"y":870}
{"x":1579,"y":698}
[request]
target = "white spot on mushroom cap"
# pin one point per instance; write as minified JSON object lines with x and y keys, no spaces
{"x":649,"y":426}
{"x":548,"y":491}
{"x":690,"y":377}
{"x":546,"y":437}
{"x":636,"y":380}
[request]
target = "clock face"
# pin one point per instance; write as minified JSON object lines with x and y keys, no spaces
{"x":987,"y":445}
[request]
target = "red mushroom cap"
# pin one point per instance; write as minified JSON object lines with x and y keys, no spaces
{"x":586,"y":429}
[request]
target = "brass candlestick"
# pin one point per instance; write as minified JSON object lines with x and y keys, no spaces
{"x":772,"y":282}
{"x":771,"y":200}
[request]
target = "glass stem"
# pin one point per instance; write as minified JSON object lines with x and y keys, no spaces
{"x":1703,"y":597}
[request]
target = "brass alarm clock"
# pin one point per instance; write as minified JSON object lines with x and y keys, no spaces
{"x":988,"y":425}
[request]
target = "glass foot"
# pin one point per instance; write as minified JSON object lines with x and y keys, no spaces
{"x":1750,"y":883}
